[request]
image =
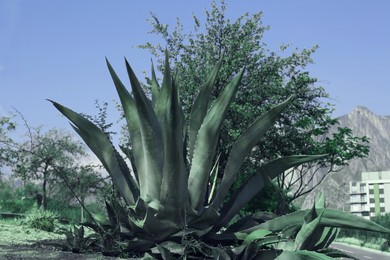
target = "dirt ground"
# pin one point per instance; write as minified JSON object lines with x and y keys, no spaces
{"x":20,"y":243}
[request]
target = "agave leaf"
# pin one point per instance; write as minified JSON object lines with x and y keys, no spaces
{"x":165,"y":253}
{"x":200,"y":107}
{"x":206,"y":143}
{"x":213,"y":183}
{"x":133,"y":125}
{"x":173,"y":204}
{"x":330,"y":218}
{"x":250,"y":251}
{"x":243,"y":146}
{"x":250,"y":221}
{"x":102,"y":147}
{"x":156,"y":229}
{"x":303,"y":254}
{"x":320,"y":201}
{"x":129,"y":154}
{"x":310,"y":232}
{"x":155,"y":86}
{"x":255,"y":235}
{"x":264,"y":174}
{"x":331,"y":252}
{"x":329,"y":234}
{"x":111,"y":215}
{"x":151,"y":166}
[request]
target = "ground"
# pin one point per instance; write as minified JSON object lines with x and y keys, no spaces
{"x":18,"y":242}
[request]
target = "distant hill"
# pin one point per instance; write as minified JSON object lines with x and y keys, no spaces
{"x":363,"y":122}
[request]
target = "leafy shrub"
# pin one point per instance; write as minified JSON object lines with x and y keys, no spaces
{"x":41,"y":219}
{"x":16,"y":199}
{"x":170,"y":207}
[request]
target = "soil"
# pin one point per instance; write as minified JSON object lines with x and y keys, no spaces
{"x":19,"y":243}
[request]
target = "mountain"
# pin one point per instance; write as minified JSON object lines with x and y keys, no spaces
{"x":363,"y":122}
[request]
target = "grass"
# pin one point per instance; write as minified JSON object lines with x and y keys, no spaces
{"x":358,"y":242}
{"x":14,"y":232}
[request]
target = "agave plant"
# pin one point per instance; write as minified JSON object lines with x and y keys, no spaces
{"x":169,"y":198}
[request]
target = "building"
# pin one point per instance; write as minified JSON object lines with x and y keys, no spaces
{"x":370,"y":197}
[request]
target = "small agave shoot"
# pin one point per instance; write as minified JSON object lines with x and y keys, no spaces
{"x":169,"y":205}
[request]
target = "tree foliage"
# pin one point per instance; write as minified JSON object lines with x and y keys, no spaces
{"x":7,"y":126}
{"x":270,"y":77}
{"x":42,"y":155}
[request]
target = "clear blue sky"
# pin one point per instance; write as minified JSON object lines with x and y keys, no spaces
{"x":56,"y":49}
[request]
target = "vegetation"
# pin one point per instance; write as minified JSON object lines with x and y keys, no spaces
{"x":199,"y":172}
{"x":270,"y":77}
{"x":367,"y":238}
{"x":170,"y":205}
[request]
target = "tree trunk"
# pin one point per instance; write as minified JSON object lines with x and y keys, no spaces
{"x":44,"y":195}
{"x":82,"y":211}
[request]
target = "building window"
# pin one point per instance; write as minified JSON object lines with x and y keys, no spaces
{"x":381,"y":186}
{"x":372,"y":196}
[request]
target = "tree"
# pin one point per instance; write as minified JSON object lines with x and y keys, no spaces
{"x":270,"y":77}
{"x":44,"y":155}
{"x":6,"y":127}
{"x":81,"y":181}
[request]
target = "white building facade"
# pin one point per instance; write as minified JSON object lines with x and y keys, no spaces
{"x":370,"y":197}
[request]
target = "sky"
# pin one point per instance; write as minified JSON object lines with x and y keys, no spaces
{"x":56,"y":49}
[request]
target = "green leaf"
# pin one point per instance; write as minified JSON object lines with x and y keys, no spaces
{"x":329,"y":234}
{"x":155,"y":86}
{"x":330,"y":218}
{"x":200,"y":107}
{"x":102,"y":147}
{"x":243,"y":146}
{"x":152,"y":143}
{"x":335,"y":253}
{"x":255,"y":235}
{"x":206,"y":143}
{"x":320,"y":201}
{"x":256,"y":183}
{"x":165,"y":253}
{"x":310,"y":232}
{"x":303,"y":255}
{"x":173,"y":204}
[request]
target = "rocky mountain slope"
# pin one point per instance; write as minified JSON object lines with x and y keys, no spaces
{"x":363,"y":123}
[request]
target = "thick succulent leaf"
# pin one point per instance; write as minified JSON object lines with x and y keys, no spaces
{"x":310,"y":232}
{"x":165,"y":253}
{"x":270,"y":254}
{"x":173,"y":204}
{"x":320,"y":201}
{"x":156,"y":229}
{"x":243,"y":146}
{"x":213,"y":183}
{"x":330,"y":218}
{"x":200,"y":107}
{"x":102,"y":147}
{"x":256,"y":183}
{"x":130,"y":155}
{"x":206,"y":142}
{"x":303,"y":255}
{"x":250,"y":252}
{"x":161,"y":100}
{"x":204,"y":221}
{"x":250,"y":221}
{"x":152,"y":145}
{"x":335,"y":253}
{"x":329,"y":234}
{"x":112,"y":218}
{"x":255,"y":235}
{"x":154,"y":86}
{"x":133,"y":126}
